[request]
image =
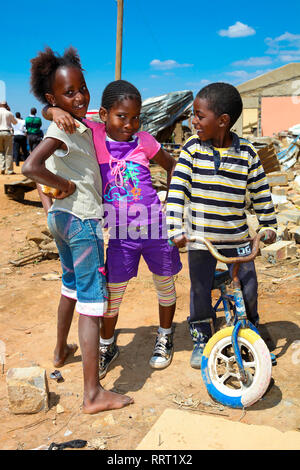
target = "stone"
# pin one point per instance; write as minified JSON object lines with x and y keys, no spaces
{"x":279,"y":251}
{"x":109,"y":419}
{"x":27,"y":390}
{"x":59,"y":409}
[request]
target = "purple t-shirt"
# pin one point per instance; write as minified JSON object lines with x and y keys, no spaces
{"x":128,"y":195}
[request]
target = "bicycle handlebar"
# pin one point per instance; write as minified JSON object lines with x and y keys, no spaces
{"x":237,"y":259}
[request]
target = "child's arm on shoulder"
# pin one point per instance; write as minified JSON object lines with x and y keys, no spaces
{"x":62,"y":118}
{"x":34,"y":167}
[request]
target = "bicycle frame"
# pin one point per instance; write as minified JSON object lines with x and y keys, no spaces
{"x":234,"y":302}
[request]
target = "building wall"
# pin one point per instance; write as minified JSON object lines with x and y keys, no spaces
{"x":278,"y":113}
{"x":250,"y":120}
{"x":269,"y":88}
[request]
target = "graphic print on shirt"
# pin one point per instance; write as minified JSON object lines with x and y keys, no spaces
{"x":123,"y":186}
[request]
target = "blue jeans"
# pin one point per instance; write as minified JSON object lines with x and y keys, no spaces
{"x":81,"y":251}
{"x":202,"y":267}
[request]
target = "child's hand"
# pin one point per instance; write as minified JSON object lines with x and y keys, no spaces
{"x":270,"y":236}
{"x":180,"y":242}
{"x":64,"y":120}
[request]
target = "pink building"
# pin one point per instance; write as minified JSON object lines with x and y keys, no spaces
{"x":271,"y":102}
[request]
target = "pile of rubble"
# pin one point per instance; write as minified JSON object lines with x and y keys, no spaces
{"x":280,"y":157}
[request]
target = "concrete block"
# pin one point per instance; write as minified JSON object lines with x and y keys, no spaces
{"x":289,"y":215}
{"x":278,"y":178}
{"x":287,"y":205}
{"x":279,"y":251}
{"x":280,"y":190}
{"x":27,"y":390}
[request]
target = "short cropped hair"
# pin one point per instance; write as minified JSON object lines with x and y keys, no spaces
{"x":44,"y":66}
{"x":33,"y":111}
{"x":18,"y":115}
{"x":223,"y":98}
{"x":117,"y":91}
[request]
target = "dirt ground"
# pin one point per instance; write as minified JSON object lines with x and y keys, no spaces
{"x":28,"y":329}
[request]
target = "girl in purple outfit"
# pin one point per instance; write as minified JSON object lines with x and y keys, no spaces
{"x":134,"y":214}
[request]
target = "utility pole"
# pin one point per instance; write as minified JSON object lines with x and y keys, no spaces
{"x":118,"y":69}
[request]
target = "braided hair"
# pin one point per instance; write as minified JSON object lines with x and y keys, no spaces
{"x":44,"y":66}
{"x":117,"y":91}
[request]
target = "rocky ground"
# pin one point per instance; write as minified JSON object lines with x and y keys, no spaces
{"x":29,"y":294}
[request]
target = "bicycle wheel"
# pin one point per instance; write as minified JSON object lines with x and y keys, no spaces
{"x":220,"y":371}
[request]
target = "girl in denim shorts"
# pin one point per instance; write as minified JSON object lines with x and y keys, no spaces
{"x":134,"y":214}
{"x":68,"y":166}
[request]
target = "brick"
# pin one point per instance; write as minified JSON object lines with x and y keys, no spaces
{"x":27,"y":390}
{"x":278,"y":178}
{"x":279,"y":251}
{"x":280,"y":190}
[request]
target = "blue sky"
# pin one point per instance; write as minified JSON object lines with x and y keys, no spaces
{"x":168,"y":45}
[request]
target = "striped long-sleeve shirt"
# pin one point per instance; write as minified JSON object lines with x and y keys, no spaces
{"x":207,"y":195}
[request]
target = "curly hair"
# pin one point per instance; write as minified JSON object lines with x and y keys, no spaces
{"x":222,"y":98}
{"x":117,"y":91}
{"x":44,"y":66}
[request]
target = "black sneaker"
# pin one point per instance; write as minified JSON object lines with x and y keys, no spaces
{"x":163,"y":351}
{"x":108,"y":353}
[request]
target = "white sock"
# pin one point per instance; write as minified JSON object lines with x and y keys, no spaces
{"x":107,"y":341}
{"x":165,"y":331}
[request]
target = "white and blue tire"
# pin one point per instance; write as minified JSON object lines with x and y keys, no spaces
{"x":259,"y":369}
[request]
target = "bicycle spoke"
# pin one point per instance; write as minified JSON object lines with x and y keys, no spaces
{"x":222,"y":356}
{"x":224,"y":377}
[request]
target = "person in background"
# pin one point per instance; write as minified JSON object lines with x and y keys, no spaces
{"x":7,"y":120}
{"x":33,"y":126}
{"x":19,"y":140}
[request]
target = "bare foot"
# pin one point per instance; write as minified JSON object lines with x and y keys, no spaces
{"x":105,"y":400}
{"x":60,"y":358}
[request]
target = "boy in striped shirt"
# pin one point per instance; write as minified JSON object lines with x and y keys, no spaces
{"x":207,"y":198}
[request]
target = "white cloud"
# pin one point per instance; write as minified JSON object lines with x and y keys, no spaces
{"x":253,"y":62}
{"x":290,"y":57}
{"x":238,"y":30}
{"x":286,"y":47}
{"x":241,"y":76}
{"x":201,"y":83}
{"x":167,"y":64}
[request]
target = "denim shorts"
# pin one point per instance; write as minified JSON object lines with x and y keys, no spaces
{"x":81,"y":251}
